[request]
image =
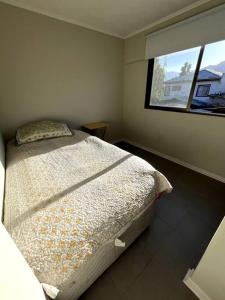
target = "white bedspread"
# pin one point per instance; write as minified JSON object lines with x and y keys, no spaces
{"x":66,"y":197}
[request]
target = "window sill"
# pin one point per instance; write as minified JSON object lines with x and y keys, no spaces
{"x":184,"y":110}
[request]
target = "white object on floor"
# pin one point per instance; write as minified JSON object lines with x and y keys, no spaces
{"x":50,"y":290}
{"x":207,"y":281}
{"x":119,"y":243}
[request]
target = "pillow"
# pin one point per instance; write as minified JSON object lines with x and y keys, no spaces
{"x":41,"y":130}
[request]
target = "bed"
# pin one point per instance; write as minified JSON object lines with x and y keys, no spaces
{"x":74,"y":204}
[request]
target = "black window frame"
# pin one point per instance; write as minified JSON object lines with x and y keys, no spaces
{"x":208,"y":85}
{"x":187,"y":109}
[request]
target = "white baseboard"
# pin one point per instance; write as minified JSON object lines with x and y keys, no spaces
{"x":177,"y":161}
{"x":194,"y":287}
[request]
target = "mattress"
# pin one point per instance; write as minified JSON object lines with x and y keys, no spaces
{"x":67,"y":198}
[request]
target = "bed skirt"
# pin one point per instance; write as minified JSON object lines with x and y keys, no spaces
{"x":105,"y":256}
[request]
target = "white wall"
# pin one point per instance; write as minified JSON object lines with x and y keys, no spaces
{"x":2,"y":174}
{"x":16,"y":277}
{"x":53,"y":69}
{"x":208,"y":279}
{"x":194,"y":139}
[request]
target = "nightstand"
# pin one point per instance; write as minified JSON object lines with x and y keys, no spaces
{"x":97,"y":129}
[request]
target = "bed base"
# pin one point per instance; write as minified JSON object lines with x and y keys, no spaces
{"x":106,"y":255}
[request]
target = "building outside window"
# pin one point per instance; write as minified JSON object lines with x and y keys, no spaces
{"x":203,"y":90}
{"x":191,"y":80}
{"x":176,"y":88}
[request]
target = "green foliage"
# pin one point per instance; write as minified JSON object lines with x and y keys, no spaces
{"x":185,"y":69}
{"x":158,"y":81}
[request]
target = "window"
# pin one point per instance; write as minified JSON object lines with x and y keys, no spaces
{"x":176,"y":88}
{"x":166,"y":77}
{"x":203,"y":90}
{"x":167,"y":91}
{"x":191,"y":80}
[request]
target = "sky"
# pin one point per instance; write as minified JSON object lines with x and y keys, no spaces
{"x":214,"y":54}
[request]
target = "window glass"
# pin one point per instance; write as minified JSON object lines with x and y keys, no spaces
{"x":176,"y":88}
{"x":209,"y":95}
{"x":203,"y":90}
{"x":173,"y":77}
{"x":192,"y":80}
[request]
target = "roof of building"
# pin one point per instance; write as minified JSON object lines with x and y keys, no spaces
{"x":209,"y":74}
{"x":181,"y":78}
{"x":204,"y":75}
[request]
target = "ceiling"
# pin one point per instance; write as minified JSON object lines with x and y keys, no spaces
{"x":120,"y":18}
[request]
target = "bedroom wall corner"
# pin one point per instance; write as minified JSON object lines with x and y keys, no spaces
{"x":51,"y":69}
{"x":194,"y":139}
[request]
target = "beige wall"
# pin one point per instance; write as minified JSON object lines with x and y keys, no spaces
{"x":52,"y":69}
{"x":208,"y":278}
{"x":195,"y":139}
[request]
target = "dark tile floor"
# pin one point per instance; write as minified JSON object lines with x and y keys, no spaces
{"x":154,"y":266}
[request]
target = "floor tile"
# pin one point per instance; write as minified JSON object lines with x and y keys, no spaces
{"x":130,"y":264}
{"x":102,"y":289}
{"x":172,"y":207}
{"x":158,"y":282}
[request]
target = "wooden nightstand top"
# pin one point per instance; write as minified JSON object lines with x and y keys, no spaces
{"x":97,"y":125}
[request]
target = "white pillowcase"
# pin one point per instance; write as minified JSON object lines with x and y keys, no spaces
{"x":41,"y":130}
